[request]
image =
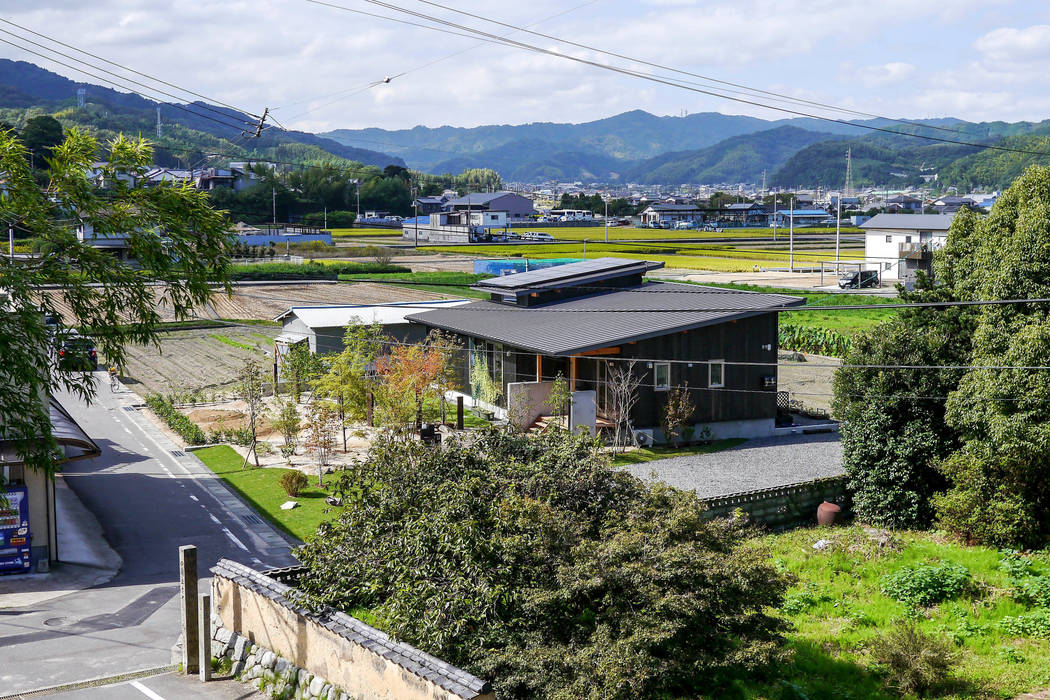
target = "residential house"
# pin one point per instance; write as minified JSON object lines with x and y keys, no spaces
{"x":904,"y":203}
{"x":802,"y":218}
{"x":900,"y":245}
{"x":745,"y":214}
{"x":115,"y":243}
{"x":672,"y":214}
{"x":952,"y":204}
{"x":322,"y":327}
{"x":429,"y":205}
{"x":516,"y":206}
{"x":28,"y":525}
{"x":581,"y":319}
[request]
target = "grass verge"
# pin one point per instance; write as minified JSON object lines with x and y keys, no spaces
{"x":262,"y":490}
{"x":837,"y":608}
{"x":649,"y":454}
{"x":226,"y":340}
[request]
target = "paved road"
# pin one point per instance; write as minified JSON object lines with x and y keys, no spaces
{"x":756,"y":464}
{"x":150,"y":498}
{"x":168,"y":686}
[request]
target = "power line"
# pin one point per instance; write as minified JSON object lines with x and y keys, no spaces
{"x":109,"y":72}
{"x":124,"y":87}
{"x":669,"y":81}
{"x":132,"y":70}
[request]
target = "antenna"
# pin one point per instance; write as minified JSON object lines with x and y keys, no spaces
{"x":849,"y":173}
{"x":159,"y":129}
{"x":81,"y":93}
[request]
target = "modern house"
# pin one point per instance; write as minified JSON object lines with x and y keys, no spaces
{"x":429,"y":205}
{"x":899,"y":245}
{"x":115,"y":243}
{"x":581,"y":320}
{"x":322,"y":327}
{"x":516,"y":206}
{"x":672,"y":214}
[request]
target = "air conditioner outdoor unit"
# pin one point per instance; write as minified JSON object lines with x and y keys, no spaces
{"x":644,"y":438}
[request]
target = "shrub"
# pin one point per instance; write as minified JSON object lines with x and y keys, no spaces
{"x":818,"y":341}
{"x":529,"y":561}
{"x":293,"y":482}
{"x":1033,"y":624}
{"x":310,"y":270}
{"x":915,"y":662}
{"x":183,"y":426}
{"x":926,"y":584}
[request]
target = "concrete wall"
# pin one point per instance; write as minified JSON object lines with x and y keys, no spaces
{"x":583,"y":413}
{"x":525,"y":401}
{"x":361,"y":661}
{"x":783,"y":507}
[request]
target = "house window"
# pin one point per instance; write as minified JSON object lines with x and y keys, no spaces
{"x":662,"y":376}
{"x":716,"y":374}
{"x":889,"y":239}
{"x":907,"y":239}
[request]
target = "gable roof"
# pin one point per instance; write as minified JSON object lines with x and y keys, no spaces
{"x":481,"y":198}
{"x":909,"y":222}
{"x":579,"y":324}
{"x":344,"y":314}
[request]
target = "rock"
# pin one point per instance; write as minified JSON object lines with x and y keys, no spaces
{"x":316,"y":685}
{"x":283,"y":666}
{"x":821,"y":545}
{"x":288,"y":505}
{"x":324,"y":691}
{"x":250,"y":661}
{"x":268,"y":660}
{"x":222,"y":635}
{"x":333,"y":501}
{"x":239,"y":648}
{"x":333,"y":693}
{"x":236,"y":669}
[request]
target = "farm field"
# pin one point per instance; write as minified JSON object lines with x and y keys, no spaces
{"x":838,"y":607}
{"x":453,"y":283}
{"x":629,"y":233}
{"x":338,"y":233}
{"x":845,"y":321}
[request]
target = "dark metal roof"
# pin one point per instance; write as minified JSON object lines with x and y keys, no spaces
{"x":601,"y":320}
{"x":570,"y":274}
{"x":907,"y":222}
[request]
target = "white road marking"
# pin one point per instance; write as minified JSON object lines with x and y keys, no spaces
{"x":214,"y":519}
{"x":194,"y":498}
{"x":167,"y":471}
{"x":234,"y":539}
{"x":145,"y":691}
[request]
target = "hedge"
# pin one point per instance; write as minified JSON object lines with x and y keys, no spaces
{"x":310,"y":270}
{"x":183,"y":426}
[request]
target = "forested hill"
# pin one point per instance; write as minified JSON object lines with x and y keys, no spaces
{"x":189,"y":129}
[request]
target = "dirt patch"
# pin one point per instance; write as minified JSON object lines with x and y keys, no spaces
{"x":810,"y":381}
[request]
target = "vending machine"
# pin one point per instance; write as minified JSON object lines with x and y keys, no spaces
{"x":14,"y":531}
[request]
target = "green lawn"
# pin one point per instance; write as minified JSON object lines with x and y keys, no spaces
{"x":262,"y":490}
{"x":836,"y":608}
{"x":456,"y":283}
{"x":845,"y":321}
{"x":649,"y":454}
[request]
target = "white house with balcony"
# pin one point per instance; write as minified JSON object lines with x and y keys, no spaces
{"x":899,"y":245}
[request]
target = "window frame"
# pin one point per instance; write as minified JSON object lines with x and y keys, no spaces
{"x":657,"y":366}
{"x":711,"y":384}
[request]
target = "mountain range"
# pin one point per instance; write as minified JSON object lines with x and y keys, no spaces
{"x":636,"y":147}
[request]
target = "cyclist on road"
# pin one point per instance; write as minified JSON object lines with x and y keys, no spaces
{"x":113,"y":382}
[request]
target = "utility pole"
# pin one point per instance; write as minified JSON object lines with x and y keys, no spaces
{"x":774,"y":217}
{"x":273,"y":192}
{"x":791,"y":238}
{"x":606,"y":219}
{"x":838,"y":230}
{"x":326,"y":216}
{"x":415,"y":218}
{"x":10,"y":240}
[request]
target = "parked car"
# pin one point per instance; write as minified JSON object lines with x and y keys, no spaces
{"x":77,"y":353}
{"x":682,"y":225}
{"x":859,"y":280}
{"x":537,"y":236}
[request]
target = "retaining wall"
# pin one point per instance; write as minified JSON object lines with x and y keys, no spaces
{"x":783,"y":507}
{"x":286,"y":645}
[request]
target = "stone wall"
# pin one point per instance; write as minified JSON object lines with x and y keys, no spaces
{"x":289,"y":652}
{"x":783,"y":507}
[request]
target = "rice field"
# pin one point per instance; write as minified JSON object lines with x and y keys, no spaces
{"x":344,"y":233}
{"x":629,"y":233}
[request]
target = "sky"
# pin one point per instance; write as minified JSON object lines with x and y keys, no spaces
{"x":320,"y":68}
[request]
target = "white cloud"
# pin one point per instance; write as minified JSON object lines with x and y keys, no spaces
{"x":1016,"y":46}
{"x":885,"y":74}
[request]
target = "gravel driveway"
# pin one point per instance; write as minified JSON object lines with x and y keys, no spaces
{"x":756,"y":464}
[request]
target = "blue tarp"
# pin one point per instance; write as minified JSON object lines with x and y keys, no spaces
{"x":509,"y":266}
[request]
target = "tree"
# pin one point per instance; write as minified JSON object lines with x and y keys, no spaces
{"x":529,"y":561}
{"x":321,"y":426}
{"x":447,"y":378}
{"x":482,"y":386}
{"x":676,"y":413}
{"x":249,"y":387}
{"x":623,"y":384}
{"x":179,"y":241}
{"x":410,"y":373}
{"x":999,"y":490}
{"x":560,"y":398}
{"x":350,"y":375}
{"x":41,"y":135}
{"x":288,"y":423}
{"x":301,"y":366}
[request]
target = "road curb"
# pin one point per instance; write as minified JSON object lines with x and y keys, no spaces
{"x":91,"y":682}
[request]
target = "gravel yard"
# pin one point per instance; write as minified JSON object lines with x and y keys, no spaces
{"x":757,"y":464}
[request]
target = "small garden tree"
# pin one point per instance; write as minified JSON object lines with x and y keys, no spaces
{"x":623,"y":395}
{"x":559,"y":399}
{"x":676,"y":413}
{"x":249,"y":385}
{"x":350,"y":375}
{"x":321,"y":426}
{"x":301,"y":366}
{"x":410,"y":374}
{"x":483,"y":387}
{"x":288,"y":423}
{"x":556,"y":576}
